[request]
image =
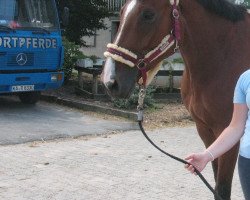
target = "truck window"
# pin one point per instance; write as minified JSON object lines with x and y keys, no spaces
{"x":28,"y":14}
{"x":7,"y":10}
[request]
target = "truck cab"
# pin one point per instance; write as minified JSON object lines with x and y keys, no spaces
{"x":31,"y":50}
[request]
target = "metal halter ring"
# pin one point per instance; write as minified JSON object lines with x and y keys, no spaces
{"x":141,"y":64}
{"x":176,"y":14}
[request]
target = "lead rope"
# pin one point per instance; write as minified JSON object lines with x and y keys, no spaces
{"x":140,"y":109}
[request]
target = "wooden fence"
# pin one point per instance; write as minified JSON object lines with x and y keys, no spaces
{"x":115,"y":5}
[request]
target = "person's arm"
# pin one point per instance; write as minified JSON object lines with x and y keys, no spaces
{"x":228,"y":138}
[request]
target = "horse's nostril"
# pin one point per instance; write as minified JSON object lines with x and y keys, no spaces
{"x":112,"y":77}
{"x":111,"y":85}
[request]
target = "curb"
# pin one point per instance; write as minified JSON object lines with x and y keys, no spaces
{"x":89,"y":107}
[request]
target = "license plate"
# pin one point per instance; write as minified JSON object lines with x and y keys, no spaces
{"x":22,"y":88}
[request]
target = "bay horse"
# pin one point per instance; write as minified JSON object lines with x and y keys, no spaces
{"x":213,"y":37}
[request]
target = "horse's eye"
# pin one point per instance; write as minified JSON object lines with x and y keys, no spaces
{"x":148,"y":16}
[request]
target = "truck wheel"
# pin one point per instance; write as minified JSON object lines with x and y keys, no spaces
{"x":29,"y":97}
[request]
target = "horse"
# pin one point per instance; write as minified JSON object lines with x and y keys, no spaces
{"x":213,"y":37}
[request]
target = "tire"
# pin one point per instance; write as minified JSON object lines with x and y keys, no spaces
{"x":30,"y":97}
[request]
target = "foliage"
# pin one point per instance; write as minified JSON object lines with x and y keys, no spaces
{"x":245,"y":3}
{"x":94,"y":58}
{"x":71,"y":54}
{"x":178,"y":60}
{"x":132,"y":101}
{"x":85,"y":18}
{"x":175,"y":60}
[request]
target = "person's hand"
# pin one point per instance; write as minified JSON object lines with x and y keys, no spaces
{"x":197,"y":160}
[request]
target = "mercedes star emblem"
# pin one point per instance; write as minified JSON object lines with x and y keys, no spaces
{"x":21,"y":59}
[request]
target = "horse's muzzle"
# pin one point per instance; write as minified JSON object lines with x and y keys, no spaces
{"x":109,"y":78}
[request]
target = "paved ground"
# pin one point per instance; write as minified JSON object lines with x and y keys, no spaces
{"x":114,"y":167}
{"x":21,"y":123}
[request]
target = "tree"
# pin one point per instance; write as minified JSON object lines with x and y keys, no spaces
{"x":241,"y":2}
{"x":86,"y":16}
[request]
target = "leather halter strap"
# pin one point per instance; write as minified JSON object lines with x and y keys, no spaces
{"x":127,"y":57}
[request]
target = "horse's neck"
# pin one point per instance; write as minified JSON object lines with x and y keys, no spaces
{"x":208,"y":41}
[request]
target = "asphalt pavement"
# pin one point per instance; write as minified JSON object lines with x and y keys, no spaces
{"x":21,"y":123}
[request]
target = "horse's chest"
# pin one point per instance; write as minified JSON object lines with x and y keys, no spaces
{"x":209,"y":110}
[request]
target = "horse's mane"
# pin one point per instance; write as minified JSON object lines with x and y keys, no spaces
{"x":224,"y":9}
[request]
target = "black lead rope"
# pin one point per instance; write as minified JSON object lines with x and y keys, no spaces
{"x":140,"y":119}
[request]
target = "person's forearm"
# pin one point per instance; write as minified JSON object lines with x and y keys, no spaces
{"x":228,"y":138}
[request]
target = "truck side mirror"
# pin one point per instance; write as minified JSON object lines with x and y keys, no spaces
{"x":65,"y":16}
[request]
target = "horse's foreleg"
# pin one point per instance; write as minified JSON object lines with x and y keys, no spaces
{"x":225,"y":173}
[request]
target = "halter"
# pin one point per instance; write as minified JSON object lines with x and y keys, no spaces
{"x":129,"y":58}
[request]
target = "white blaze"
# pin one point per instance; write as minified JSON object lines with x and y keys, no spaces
{"x":129,"y":9}
{"x":109,"y":71}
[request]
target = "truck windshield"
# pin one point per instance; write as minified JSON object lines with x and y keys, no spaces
{"x":28,"y":14}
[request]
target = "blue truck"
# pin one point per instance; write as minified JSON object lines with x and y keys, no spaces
{"x":31,"y":50}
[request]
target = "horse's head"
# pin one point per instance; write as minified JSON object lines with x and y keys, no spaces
{"x":147,"y":34}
